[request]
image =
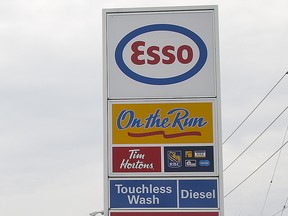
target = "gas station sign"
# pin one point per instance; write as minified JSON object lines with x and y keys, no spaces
{"x":162,"y":126}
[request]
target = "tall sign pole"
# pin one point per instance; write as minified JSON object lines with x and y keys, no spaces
{"x":162,"y":122}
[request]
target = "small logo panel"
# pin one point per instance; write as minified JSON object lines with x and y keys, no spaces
{"x":192,"y":159}
{"x":200,"y":154}
{"x":190,"y":163}
{"x":204,"y":163}
{"x":188,"y":154}
{"x":174,"y":158}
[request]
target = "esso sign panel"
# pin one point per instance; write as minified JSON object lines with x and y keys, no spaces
{"x":152,"y":55}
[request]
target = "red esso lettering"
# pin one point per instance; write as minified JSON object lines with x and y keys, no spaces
{"x":184,"y":54}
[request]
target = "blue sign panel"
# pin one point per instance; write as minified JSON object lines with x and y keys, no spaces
{"x":198,"y":193}
{"x":189,"y":159}
{"x":143,"y":194}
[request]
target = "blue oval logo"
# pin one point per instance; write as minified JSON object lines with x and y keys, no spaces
{"x":204,"y":163}
{"x":166,"y":80}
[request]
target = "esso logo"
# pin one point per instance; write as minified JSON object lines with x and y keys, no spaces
{"x":154,"y":53}
{"x":161,"y":54}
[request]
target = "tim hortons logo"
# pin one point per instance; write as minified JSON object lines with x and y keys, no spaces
{"x":144,"y":159}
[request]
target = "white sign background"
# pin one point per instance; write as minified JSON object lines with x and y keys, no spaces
{"x":202,"y":84}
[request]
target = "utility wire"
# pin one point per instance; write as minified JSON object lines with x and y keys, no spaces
{"x":256,"y":170}
{"x":255,"y":139}
{"x":254,"y":109}
{"x":284,"y":207}
{"x":274,"y":171}
{"x":282,"y":210}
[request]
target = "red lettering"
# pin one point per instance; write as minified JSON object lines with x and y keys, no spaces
{"x":170,"y":56}
{"x":155,"y":57}
{"x":136,"y":53}
{"x":154,"y":54}
{"x":189,"y":53}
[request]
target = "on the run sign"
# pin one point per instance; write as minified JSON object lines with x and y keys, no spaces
{"x":162,"y":122}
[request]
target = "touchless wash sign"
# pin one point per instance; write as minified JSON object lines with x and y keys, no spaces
{"x":162,"y":126}
{"x":168,"y":193}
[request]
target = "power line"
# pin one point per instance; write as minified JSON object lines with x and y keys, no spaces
{"x":284,"y":207}
{"x":274,"y":171}
{"x":282,"y":210}
{"x":255,"y":139}
{"x":255,"y":170}
{"x":254,"y":109}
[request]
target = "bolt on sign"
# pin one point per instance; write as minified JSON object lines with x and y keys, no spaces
{"x":162,"y":142}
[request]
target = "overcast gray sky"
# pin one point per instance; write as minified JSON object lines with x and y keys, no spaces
{"x":51,"y":149}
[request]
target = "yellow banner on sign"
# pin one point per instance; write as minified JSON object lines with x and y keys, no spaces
{"x":162,"y":123}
